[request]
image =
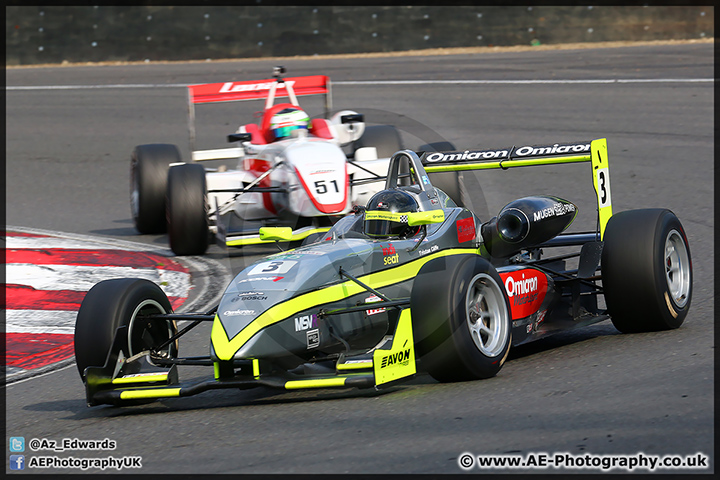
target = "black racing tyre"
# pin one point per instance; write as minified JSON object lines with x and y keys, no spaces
{"x":148,"y":179}
{"x":385,"y":138}
{"x":462,"y":324}
{"x":114,"y":303}
{"x":646,"y":270}
{"x":449,"y":182}
{"x":186,"y":205}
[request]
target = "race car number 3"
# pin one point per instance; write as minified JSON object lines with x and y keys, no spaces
{"x":273,"y":267}
{"x":603,"y":187}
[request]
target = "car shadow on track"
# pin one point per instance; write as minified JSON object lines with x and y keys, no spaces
{"x":260,"y":396}
{"x":263,"y":396}
{"x":562,"y":339}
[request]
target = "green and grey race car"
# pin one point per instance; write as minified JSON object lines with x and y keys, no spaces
{"x":411,"y":282}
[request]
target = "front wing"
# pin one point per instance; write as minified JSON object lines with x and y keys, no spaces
{"x":121,"y":381}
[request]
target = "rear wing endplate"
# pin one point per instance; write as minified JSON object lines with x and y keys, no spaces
{"x":594,"y":152}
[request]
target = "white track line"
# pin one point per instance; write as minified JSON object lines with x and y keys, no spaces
{"x":593,"y":81}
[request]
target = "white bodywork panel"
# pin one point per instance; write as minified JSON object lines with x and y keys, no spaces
{"x":314,"y":173}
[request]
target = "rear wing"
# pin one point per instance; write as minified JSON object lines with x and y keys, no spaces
{"x":256,"y":90}
{"x":594,"y":152}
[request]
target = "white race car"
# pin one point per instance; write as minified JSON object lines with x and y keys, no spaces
{"x":293,"y":171}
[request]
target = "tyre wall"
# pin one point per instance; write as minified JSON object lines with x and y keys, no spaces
{"x":39,"y":35}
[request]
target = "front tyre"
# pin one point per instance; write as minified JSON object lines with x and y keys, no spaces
{"x":461,"y":318}
{"x":120,"y":302}
{"x":646,"y":270}
{"x":148,"y":180}
{"x":186,"y":204}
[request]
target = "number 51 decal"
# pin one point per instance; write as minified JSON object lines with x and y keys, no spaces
{"x":321,"y":187}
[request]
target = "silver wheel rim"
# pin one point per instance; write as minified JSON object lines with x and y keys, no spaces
{"x":487,"y":315}
{"x":146,"y":305}
{"x":677,"y":268}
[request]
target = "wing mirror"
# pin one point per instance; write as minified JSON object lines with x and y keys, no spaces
{"x":426,"y":218}
{"x":282,"y":234}
{"x":239,"y":137}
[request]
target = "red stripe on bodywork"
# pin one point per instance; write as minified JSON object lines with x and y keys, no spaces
{"x":104,"y":258}
{"x":35,"y":350}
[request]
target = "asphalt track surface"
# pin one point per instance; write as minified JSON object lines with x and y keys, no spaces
{"x":593,"y":391}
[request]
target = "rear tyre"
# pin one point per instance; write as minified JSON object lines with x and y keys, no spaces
{"x":461,"y":318}
{"x":385,"y":138}
{"x":119,"y":302}
{"x":148,"y":179}
{"x":449,"y":182}
{"x":187,"y":215}
{"x":646,"y":270}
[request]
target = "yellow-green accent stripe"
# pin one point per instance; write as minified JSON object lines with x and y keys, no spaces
{"x":355,"y":365}
{"x":528,"y":162}
{"x":318,"y":383}
{"x":381,"y":215}
{"x":149,"y":393}
{"x":160,"y":377}
{"x":399,"y":361}
{"x":600,"y":165}
{"x":225,"y":348}
{"x":255,"y":240}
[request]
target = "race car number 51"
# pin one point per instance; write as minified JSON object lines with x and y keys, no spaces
{"x":272,"y":267}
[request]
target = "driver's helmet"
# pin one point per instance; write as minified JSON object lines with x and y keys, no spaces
{"x":386,"y":214}
{"x":286,"y":120}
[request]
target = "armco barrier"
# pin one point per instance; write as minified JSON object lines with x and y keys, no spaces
{"x":56,"y":34}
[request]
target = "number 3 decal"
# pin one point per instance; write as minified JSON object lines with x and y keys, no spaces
{"x":274,"y":267}
{"x":603,"y":183}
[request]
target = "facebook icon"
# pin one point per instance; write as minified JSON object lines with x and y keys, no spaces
{"x":17,"y":462}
